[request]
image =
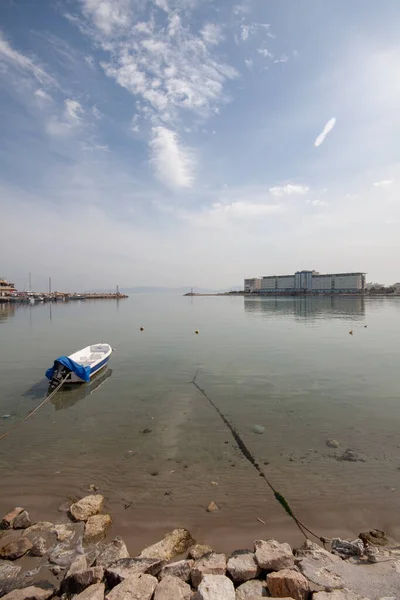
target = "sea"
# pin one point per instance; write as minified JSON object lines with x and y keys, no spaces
{"x":288,"y":374}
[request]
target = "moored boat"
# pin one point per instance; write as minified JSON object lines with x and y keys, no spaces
{"x":80,"y":366}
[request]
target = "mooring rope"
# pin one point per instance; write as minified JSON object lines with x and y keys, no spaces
{"x":28,"y":416}
{"x":248,"y":455}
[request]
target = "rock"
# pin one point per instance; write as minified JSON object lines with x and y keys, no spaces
{"x":242,"y":566}
{"x":332,"y":443}
{"x":8,"y":570}
{"x":56,"y":570}
{"x":215,"y":587}
{"x":321,"y":574}
{"x":96,"y":528}
{"x":93,"y":592}
{"x":273,"y":556}
{"x":288,"y":583}
{"x":258,"y":429}
{"x":173,"y":543}
{"x":312,"y":550}
{"x":125,"y":567}
{"x":180,"y":569}
{"x":112,"y":552}
{"x":212,"y":564}
{"x":79,"y":564}
{"x":134,"y":587}
{"x":87,"y":507}
{"x":15,"y":549}
{"x":39,"y":547}
{"x":376,"y":537}
{"x":39,"y":527}
{"x":78,"y":581}
{"x":64,"y":532}
{"x":172,"y":588}
{"x":8,"y":519}
{"x":345,"y":594}
{"x":212,"y":507}
{"x":40,"y":591}
{"x":252,"y":590}
{"x":350,"y":456}
{"x":22,"y":521}
{"x":199,"y":550}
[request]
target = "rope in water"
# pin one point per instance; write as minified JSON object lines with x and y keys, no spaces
{"x":248,"y":455}
{"x":28,"y":416}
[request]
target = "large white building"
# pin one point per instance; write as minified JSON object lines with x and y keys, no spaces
{"x":252,"y":285}
{"x":314,"y":282}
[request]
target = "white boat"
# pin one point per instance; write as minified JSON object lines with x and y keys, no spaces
{"x":80,"y":366}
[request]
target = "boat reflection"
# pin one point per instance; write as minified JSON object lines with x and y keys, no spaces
{"x":309,"y":307}
{"x":71,"y":394}
{"x":7,"y":310}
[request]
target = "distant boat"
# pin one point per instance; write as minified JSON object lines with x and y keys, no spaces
{"x":77,"y":297}
{"x":80,"y":366}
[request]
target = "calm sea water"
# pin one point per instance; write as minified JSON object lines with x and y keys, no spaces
{"x":288,"y":365}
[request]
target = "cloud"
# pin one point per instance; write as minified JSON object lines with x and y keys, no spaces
{"x":317,"y":202}
{"x":42,"y":95}
{"x":283,"y":59}
{"x":73,"y":111}
{"x":109,"y":16}
{"x":249,"y":63}
{"x":328,"y":127}
{"x":385,"y":183}
{"x":289,"y":190}
{"x":23,"y":63}
{"x":212,"y":34}
{"x":221,"y":214}
{"x":265,"y":53}
{"x":172,"y":162}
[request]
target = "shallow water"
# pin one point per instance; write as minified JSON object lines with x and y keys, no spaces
{"x":287,"y":365}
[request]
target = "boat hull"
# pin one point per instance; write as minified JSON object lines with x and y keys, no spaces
{"x":73,"y":377}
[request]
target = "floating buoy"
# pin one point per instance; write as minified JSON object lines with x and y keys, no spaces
{"x":142,"y":329}
{"x":197,"y":332}
{"x":351,"y":332}
{"x":365,"y":326}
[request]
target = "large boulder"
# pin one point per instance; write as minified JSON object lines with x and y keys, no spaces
{"x":211,"y":564}
{"x":252,"y":590}
{"x":22,"y":521}
{"x":39,"y":547}
{"x":288,"y":583}
{"x":33,"y":592}
{"x":273,"y":556}
{"x":39,"y":528}
{"x":172,"y":588}
{"x":112,"y":552}
{"x":79,"y":564}
{"x":215,"y":587}
{"x":242,"y":566}
{"x":181,"y":569}
{"x":96,"y":528}
{"x":312,"y":550}
{"x":125,"y":567}
{"x":7,"y":521}
{"x":173,"y":543}
{"x":76,"y":582}
{"x":93,"y":592}
{"x":8,"y":570}
{"x":198,"y":550}
{"x":15,"y":549}
{"x":87,"y":507}
{"x":134,"y":587}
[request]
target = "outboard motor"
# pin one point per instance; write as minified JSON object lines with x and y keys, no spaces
{"x":60,"y":372}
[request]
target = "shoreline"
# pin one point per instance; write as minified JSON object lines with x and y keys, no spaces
{"x":290,"y":295}
{"x":78,"y":553}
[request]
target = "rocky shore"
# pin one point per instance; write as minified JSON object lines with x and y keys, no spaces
{"x":74,"y":560}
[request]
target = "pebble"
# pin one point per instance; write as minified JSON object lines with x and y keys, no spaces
{"x":332,"y":443}
{"x":212,"y":507}
{"x":258,"y":429}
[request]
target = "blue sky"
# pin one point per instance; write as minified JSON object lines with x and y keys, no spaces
{"x":188,"y":142}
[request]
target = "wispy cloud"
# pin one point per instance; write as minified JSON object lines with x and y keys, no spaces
{"x":172,"y":162}
{"x":42,"y":95}
{"x":108,"y":15}
{"x":212,"y":34}
{"x":265,"y":53}
{"x":221,"y":214}
{"x":289,"y":190}
{"x":385,"y":183}
{"x":283,"y":59}
{"x":73,"y":111}
{"x":23,"y":63}
{"x":328,"y":127}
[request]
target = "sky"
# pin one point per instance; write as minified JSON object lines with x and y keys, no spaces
{"x":198,"y":142}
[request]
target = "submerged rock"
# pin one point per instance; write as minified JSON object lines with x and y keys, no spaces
{"x":173,"y":543}
{"x":212,"y":507}
{"x":8,"y":570}
{"x":258,"y":429}
{"x":87,"y":507}
{"x":273,"y":556}
{"x":15,"y":549}
{"x":350,"y":456}
{"x":288,"y":583}
{"x":332,"y":443}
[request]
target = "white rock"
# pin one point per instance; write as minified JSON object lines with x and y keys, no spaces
{"x":215,"y":587}
{"x":172,"y":588}
{"x":173,"y":543}
{"x":135,"y":587}
{"x":180,"y":569}
{"x":252,"y":590}
{"x":242,"y":566}
{"x":211,"y":564}
{"x":344,"y":594}
{"x":87,"y":507}
{"x":273,"y":556}
{"x":93,"y":592}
